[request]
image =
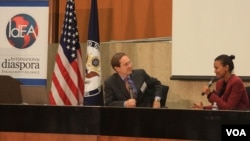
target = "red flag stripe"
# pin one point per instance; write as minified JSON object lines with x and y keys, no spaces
{"x":59,"y":94}
{"x":69,"y":76}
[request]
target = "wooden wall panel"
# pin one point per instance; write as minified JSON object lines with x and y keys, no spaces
{"x":122,"y":19}
{"x":19,"y":136}
{"x":115,"y":138}
{"x":145,"y":19}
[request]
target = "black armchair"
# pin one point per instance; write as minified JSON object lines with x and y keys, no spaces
{"x":248,"y":92}
{"x":150,"y":92}
{"x":165,"y":89}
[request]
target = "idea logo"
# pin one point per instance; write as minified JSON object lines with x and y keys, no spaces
{"x":22,"y":31}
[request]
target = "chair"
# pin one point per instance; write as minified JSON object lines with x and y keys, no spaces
{"x":150,"y":92}
{"x":10,"y":91}
{"x":165,"y":89}
{"x":248,"y":92}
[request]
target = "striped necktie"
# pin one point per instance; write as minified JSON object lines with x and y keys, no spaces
{"x":131,"y":87}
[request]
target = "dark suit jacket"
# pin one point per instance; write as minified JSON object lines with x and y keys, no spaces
{"x":115,"y":91}
{"x":234,"y":96}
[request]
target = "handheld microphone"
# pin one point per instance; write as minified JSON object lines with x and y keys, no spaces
{"x":210,"y":84}
{"x":131,"y":92}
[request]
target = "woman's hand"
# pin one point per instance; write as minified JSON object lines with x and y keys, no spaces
{"x":196,"y":106}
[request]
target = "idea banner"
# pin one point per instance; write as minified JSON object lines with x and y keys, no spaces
{"x":24,"y":40}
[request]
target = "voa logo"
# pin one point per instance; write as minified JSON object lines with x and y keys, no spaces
{"x":22,"y":31}
{"x":236,"y":132}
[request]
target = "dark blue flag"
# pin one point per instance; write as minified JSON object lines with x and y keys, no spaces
{"x":93,"y":89}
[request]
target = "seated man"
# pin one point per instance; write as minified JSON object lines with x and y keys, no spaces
{"x":130,"y":88}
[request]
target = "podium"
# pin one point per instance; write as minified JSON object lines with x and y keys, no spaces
{"x":10,"y":91}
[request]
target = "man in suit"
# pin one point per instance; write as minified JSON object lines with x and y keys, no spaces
{"x":131,"y":88}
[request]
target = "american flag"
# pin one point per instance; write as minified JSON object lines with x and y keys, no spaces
{"x":93,"y":90}
{"x":67,"y":85}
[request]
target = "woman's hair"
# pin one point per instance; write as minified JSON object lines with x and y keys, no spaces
{"x":115,"y":61}
{"x":226,"y":60}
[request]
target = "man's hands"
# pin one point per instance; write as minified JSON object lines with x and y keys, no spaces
{"x":130,"y":103}
{"x":156,"y":104}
